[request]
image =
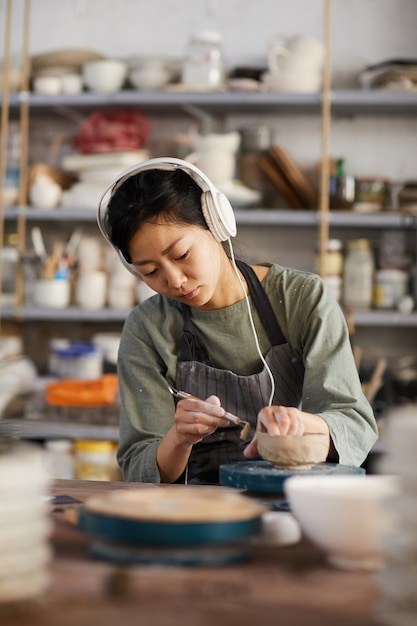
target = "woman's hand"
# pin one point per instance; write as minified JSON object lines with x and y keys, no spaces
{"x":195,"y":419}
{"x":285,"y":420}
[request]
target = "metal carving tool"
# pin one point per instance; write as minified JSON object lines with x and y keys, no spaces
{"x":227,"y":416}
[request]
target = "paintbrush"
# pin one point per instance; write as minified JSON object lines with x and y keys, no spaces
{"x":227,"y":416}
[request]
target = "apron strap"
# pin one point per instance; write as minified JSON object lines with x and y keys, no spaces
{"x":262,"y":304}
{"x":192,"y":347}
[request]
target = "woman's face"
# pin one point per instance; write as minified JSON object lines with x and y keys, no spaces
{"x":183,"y":262}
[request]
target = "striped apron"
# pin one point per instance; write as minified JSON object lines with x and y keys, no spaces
{"x":244,"y":396}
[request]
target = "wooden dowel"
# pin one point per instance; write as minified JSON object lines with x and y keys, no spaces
{"x":24,"y":154}
{"x":325,"y":136}
{"x":4,"y":129}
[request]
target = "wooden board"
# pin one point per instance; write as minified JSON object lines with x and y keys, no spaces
{"x":268,"y":167}
{"x":295,"y":178}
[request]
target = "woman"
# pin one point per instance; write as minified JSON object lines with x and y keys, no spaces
{"x":266,"y":343}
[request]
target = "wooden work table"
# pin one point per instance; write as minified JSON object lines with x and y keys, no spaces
{"x":288,"y":585}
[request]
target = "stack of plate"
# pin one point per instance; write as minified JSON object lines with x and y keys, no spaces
{"x":25,"y":553}
{"x":95,"y":172}
{"x":398,"y":580}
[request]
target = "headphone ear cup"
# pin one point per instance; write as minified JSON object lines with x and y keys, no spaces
{"x":219,"y":215}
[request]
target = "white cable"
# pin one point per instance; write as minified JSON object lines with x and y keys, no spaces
{"x":232,"y":254}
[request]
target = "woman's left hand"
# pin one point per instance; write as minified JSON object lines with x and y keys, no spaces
{"x":284,"y":420}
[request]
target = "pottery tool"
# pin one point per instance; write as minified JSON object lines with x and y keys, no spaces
{"x":371,"y":387}
{"x":227,"y":416}
{"x":38,"y":243}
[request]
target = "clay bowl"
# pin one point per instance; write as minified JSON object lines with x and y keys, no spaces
{"x":293,"y":451}
{"x":351,"y":518}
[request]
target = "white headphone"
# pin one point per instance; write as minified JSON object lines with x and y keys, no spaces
{"x":216,"y":208}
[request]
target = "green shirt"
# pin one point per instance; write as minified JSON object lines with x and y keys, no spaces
{"x":311,"y":320}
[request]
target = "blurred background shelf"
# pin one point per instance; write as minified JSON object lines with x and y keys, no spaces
{"x":373,"y":318}
{"x":257,"y":217}
{"x":28,"y":429}
{"x":343,"y":102}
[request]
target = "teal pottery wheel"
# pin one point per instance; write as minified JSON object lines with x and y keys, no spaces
{"x":263,"y":477}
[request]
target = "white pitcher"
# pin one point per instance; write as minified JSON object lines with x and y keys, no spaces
{"x":215,"y":155}
{"x":300,"y":53}
{"x":295,"y":64}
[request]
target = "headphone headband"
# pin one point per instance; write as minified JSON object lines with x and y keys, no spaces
{"x":216,"y":208}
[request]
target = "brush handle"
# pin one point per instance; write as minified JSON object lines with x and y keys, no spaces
{"x":228,"y":416}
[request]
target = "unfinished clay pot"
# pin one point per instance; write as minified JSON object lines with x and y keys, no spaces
{"x":293,"y":451}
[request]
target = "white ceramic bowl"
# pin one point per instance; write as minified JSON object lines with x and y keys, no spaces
{"x":346,"y":516}
{"x":52,"y":293}
{"x":47,"y":85}
{"x":148,"y":73}
{"x":104,"y":76}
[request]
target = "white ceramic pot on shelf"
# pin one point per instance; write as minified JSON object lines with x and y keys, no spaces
{"x":104,"y":76}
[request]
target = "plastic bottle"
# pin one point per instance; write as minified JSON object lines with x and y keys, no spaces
{"x":12,"y":178}
{"x":60,"y":460}
{"x":333,"y":266}
{"x":94,"y":459}
{"x":358,"y":275}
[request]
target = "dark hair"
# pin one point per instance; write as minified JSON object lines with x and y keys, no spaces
{"x":149,"y":195}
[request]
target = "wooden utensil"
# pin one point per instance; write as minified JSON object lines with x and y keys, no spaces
{"x":269,"y":168}
{"x":372,"y":387}
{"x":302,"y":187}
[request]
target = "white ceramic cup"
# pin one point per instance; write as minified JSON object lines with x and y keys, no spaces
{"x":89,"y":255}
{"x":52,"y":293}
{"x":47,"y":85}
{"x":71,"y":83}
{"x":143,"y":292}
{"x":120,"y":296}
{"x":44,"y":193}
{"x":91,"y":290}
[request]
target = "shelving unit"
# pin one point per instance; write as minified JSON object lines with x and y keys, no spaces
{"x":245,"y":217}
{"x":34,"y":429}
{"x":343,"y":102}
{"x":257,"y":217}
{"x":169,"y":102}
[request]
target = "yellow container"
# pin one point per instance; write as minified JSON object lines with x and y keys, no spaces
{"x":94,"y":459}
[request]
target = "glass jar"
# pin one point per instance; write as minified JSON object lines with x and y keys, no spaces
{"x":333,"y":258}
{"x":94,"y":459}
{"x":391,"y":285}
{"x":203,"y":67}
{"x":358,"y":275}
